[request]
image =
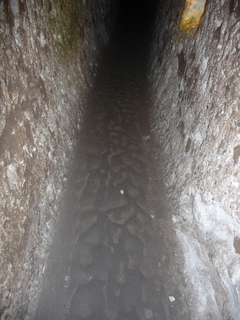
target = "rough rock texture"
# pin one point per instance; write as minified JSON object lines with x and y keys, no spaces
{"x":195,"y":94}
{"x":49,"y":52}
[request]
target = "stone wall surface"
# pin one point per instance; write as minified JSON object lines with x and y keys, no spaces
{"x":196,"y":116}
{"x":49,"y":51}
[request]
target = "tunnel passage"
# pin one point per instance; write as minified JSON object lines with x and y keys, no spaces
{"x":110,"y":258}
{"x":186,"y":265}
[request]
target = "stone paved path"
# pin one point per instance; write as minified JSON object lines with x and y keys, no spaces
{"x":108,"y":259}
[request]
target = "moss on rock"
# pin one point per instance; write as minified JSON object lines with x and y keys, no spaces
{"x":63,"y":23}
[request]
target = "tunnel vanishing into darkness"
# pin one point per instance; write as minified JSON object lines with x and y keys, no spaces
{"x":120,"y":155}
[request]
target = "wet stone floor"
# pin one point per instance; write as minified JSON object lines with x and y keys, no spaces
{"x":109,"y":258}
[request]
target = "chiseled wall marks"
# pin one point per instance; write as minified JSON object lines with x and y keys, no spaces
{"x":49,"y":51}
{"x":196,"y":116}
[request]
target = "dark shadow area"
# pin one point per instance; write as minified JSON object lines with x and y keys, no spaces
{"x":138,"y":15}
{"x":142,"y":10}
{"x":131,"y":38}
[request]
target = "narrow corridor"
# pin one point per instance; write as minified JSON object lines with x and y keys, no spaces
{"x":120,"y":159}
{"x":109,"y":257}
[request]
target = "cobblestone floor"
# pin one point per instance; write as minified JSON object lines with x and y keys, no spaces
{"x":110,"y":255}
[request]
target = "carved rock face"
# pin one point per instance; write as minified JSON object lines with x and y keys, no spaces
{"x":49,"y":52}
{"x":195,"y":92}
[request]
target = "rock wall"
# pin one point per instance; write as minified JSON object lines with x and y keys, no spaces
{"x":49,"y":52}
{"x":196,"y":116}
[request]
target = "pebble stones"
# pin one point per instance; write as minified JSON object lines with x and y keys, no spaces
{"x":148,"y":313}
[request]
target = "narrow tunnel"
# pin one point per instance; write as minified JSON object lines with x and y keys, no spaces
{"x":120,"y":154}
